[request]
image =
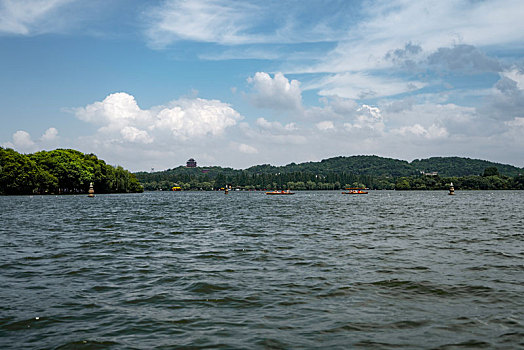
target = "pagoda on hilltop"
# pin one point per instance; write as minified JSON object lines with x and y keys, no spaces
{"x":191,"y":163}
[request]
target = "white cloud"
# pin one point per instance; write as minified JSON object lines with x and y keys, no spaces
{"x":275,"y":126}
{"x":275,"y":93}
{"x":517,"y":122}
{"x":247,"y":149}
{"x":29,"y":16}
{"x":513,"y":138}
{"x":361,"y":85}
{"x":325,"y":125}
{"x":414,"y":129}
{"x":132,"y":134}
{"x":116,"y":110}
{"x":334,"y":107}
{"x":515,"y":75}
{"x":388,"y":25}
{"x":49,"y":135}
{"x":405,"y":134}
{"x":22,"y":139}
{"x":340,"y":105}
{"x":231,"y":22}
{"x":120,"y":116}
{"x":23,"y":142}
{"x":369,"y":119}
{"x":223,"y":22}
{"x":196,"y":117}
{"x":433,"y":132}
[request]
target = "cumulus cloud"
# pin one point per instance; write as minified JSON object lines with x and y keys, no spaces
{"x":275,"y":126}
{"x":412,"y":128}
{"x":120,"y":116}
{"x":132,"y":134}
{"x":368,"y":119}
{"x":196,"y":117}
{"x":400,"y":133}
{"x":21,"y":141}
{"x":115,"y":110}
{"x":49,"y":135}
{"x":275,"y":93}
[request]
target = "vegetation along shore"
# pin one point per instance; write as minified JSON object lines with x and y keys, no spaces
{"x":62,"y":171}
{"x":67,"y":171}
{"x":340,"y":172}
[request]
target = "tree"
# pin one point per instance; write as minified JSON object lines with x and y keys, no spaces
{"x":491,"y":171}
{"x":61,"y":171}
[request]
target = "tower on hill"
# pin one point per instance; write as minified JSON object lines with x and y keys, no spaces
{"x":191,"y":163}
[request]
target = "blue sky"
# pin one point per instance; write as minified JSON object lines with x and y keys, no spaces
{"x":149,"y":84}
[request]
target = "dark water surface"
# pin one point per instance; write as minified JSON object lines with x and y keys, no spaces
{"x":408,"y":270}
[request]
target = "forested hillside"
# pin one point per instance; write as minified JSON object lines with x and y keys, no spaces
{"x":70,"y":171}
{"x":61,"y":171}
{"x":456,"y":166}
{"x":339,"y":172}
{"x":358,"y":165}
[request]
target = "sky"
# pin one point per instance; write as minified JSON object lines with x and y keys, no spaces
{"x":150,"y":84}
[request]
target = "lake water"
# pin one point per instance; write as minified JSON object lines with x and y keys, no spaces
{"x":387,"y":270}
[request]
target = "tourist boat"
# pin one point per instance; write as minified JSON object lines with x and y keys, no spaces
{"x":356,"y":191}
{"x":280,"y":192}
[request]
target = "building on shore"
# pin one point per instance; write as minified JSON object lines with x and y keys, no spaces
{"x":191,"y":163}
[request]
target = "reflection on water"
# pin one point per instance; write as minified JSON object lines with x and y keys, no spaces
{"x":246,"y":270}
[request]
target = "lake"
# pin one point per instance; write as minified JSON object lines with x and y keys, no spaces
{"x":387,"y":270}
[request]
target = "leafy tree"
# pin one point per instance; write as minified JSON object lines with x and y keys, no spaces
{"x":491,"y":171}
{"x":61,"y":171}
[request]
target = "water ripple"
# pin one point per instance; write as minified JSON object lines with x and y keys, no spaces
{"x":407,"y":270}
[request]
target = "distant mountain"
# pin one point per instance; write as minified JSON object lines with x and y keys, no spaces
{"x":184,"y":172}
{"x":357,"y":165}
{"x":457,"y":166}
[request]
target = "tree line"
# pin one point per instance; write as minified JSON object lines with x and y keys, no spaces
{"x":61,"y":171}
{"x":195,"y":179}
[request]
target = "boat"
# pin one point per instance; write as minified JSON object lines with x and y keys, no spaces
{"x":356,"y":190}
{"x":280,"y":192}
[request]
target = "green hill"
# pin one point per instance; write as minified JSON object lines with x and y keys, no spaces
{"x":457,"y":166}
{"x":332,"y":173}
{"x":358,"y":165}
